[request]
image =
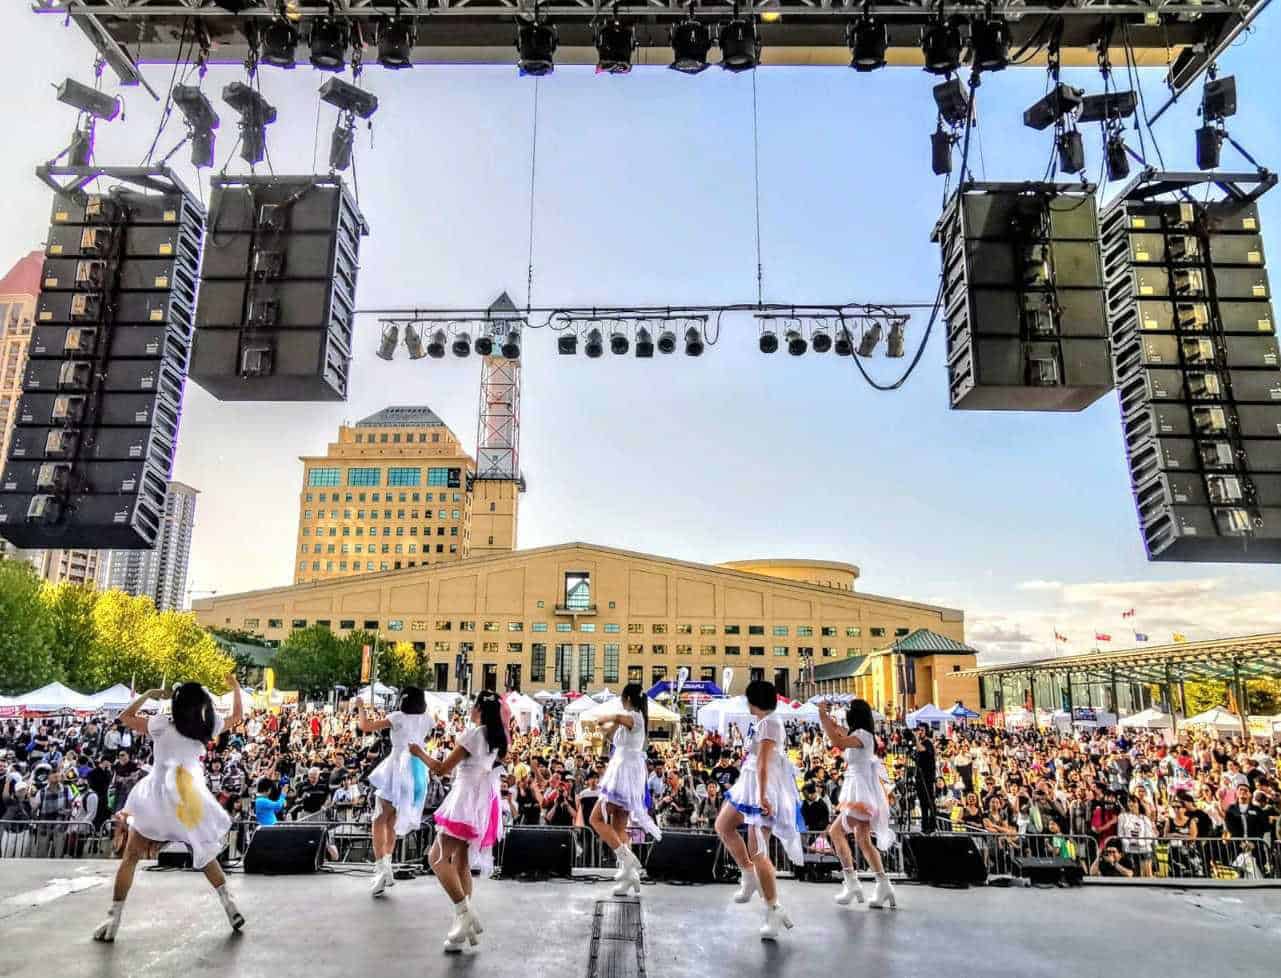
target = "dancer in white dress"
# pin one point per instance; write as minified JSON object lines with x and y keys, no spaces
{"x":864,"y":809}
{"x":172,"y":803}
{"x":400,"y":781}
{"x":622,"y":787}
{"x":765,"y":799}
{"x":468,"y":821}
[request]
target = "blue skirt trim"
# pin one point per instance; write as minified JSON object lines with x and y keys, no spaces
{"x":748,"y":809}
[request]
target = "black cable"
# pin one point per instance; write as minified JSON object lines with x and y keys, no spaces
{"x":533,"y":173}
{"x":1137,"y":79}
{"x":167,"y":109}
{"x":756,"y":175}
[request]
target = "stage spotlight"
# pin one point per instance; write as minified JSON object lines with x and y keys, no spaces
{"x":536,"y":44}
{"x":461,"y":346}
{"x":88,"y":100}
{"x":256,"y":113}
{"x":414,"y":342}
{"x":396,"y":39}
{"x":796,"y":344}
{"x":201,"y":119}
{"x":843,"y":345}
{"x":1071,"y":151}
{"x":941,"y":46}
{"x":1219,"y":99}
{"x":328,"y":43}
{"x":1118,"y":157}
{"x":894,"y":341}
{"x":436,"y":344}
{"x":769,"y":341}
{"x":952,"y":104}
{"x":1109,"y":105}
{"x":511,"y":345}
{"x":941,"y":152}
{"x":1059,"y":102}
{"x":278,"y":43}
{"x":346,"y":97}
{"x":990,"y":44}
{"x":691,"y":40}
{"x":615,"y":42}
{"x":619,"y":343}
{"x":342,"y":143}
{"x":868,"y":39}
{"x":1209,"y":147}
{"x":567,"y":343}
{"x":484,"y":345}
{"x":387,"y":343}
{"x":693,"y":342}
{"x":644,"y":344}
{"x":594,"y":344}
{"x":740,"y":47}
{"x":820,"y":339}
{"x":667,"y":341}
{"x":867,"y":343}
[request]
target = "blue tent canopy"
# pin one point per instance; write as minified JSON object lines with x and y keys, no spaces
{"x":699,"y":687}
{"x":963,"y":712}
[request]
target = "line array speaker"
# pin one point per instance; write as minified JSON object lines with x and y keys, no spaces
{"x":1023,"y":297}
{"x":274,"y":321}
{"x":97,"y":424}
{"x":1198,"y":373}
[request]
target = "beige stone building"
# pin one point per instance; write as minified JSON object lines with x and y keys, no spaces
{"x":579,"y":615}
{"x":393,"y":492}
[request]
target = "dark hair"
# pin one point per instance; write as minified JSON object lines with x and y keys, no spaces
{"x":413,"y":701}
{"x":265,"y":785}
{"x":193,"y":712}
{"x":491,"y":718}
{"x":633,"y":694}
{"x":858,"y":716}
{"x":761,"y":695}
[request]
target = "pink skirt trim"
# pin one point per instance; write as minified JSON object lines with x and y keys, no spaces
{"x":469,"y":833}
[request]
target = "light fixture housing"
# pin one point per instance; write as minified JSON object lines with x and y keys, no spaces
{"x":941,"y":46}
{"x":740,"y":45}
{"x":1117,"y":157}
{"x":1219,"y":99}
{"x":691,"y":40}
{"x":484,"y":345}
{"x":867,"y":342}
{"x":88,"y":100}
{"x":693,"y":342}
{"x":396,"y":39}
{"x":567,"y":343}
{"x":201,"y":120}
{"x":820,"y":339}
{"x":615,"y":42}
{"x":844,"y":343}
{"x":1071,"y":149}
{"x":414,"y":342}
{"x":328,"y":44}
{"x":1209,"y":147}
{"x":387,"y":342}
{"x":461,"y":346}
{"x":940,"y":152}
{"x":278,"y":44}
{"x":796,"y":343}
{"x":536,"y":43}
{"x":769,"y":341}
{"x":867,"y":38}
{"x":990,"y":44}
{"x":894,"y":341}
{"x":511,"y":345}
{"x":436,"y":345}
{"x":256,"y":113}
{"x":667,"y":341}
{"x":619,"y":344}
{"x":594,"y":344}
{"x":644,"y":344}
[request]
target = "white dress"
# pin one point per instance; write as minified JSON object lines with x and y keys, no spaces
{"x":784,"y":799}
{"x":401,"y":779}
{"x":862,"y":796}
{"x":470,"y":811}
{"x":172,"y":803}
{"x":623,"y":783}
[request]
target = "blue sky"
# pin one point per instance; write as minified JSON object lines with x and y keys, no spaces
{"x":644,"y":195}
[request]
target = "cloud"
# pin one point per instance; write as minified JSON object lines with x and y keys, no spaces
{"x":994,"y":630}
{"x":1040,"y":585}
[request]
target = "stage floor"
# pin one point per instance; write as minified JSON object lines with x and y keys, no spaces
{"x":327,"y":926}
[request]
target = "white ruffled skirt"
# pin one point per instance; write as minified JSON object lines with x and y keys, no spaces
{"x":784,"y":801}
{"x":470,"y":812}
{"x":623,"y":786}
{"x":173,"y":804}
{"x":862,"y":799}
{"x":401,"y":781}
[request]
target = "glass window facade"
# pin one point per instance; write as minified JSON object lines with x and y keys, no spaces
{"x":362,"y":477}
{"x":323,"y":477}
{"x":404,"y":476}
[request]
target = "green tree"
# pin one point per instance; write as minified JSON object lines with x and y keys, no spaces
{"x":70,"y":610}
{"x":26,"y":635}
{"x":400,"y":665}
{"x":175,"y":642}
{"x":313,"y":660}
{"x":119,"y":654}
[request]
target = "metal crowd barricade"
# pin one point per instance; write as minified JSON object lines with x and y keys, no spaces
{"x":1175,"y":857}
{"x":55,"y":839}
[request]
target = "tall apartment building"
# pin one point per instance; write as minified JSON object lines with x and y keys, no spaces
{"x":18,"y":292}
{"x":160,"y":574}
{"x":393,"y":491}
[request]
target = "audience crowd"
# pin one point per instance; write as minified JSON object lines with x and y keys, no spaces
{"x":1122,"y":803}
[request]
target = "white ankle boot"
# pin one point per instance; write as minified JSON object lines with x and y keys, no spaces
{"x":106,"y":931}
{"x":628,"y":863}
{"x":851,"y":889}
{"x":747,"y":888}
{"x":234,"y":916}
{"x":630,"y":881}
{"x":382,"y":877}
{"x":776,"y":919}
{"x":464,"y":930}
{"x":884,"y":895}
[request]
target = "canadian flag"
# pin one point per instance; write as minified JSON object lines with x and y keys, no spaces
{"x":1060,"y":638}
{"x":1128,"y":614}
{"x":1101,"y":637}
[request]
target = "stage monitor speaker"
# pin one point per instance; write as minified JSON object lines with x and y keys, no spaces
{"x":283,"y":850}
{"x":539,"y":851}
{"x":683,"y":857}
{"x":1049,"y":871}
{"x":944,"y":859}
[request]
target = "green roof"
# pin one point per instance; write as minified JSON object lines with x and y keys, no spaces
{"x":925,"y":642}
{"x":843,"y":669}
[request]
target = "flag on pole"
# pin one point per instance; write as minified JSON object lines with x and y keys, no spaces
{"x":1128,"y":614}
{"x":1060,"y":638}
{"x":1140,"y":637}
{"x":1179,"y":637}
{"x":1102,"y":637}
